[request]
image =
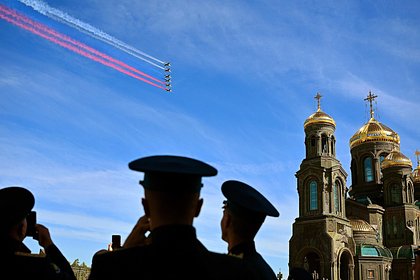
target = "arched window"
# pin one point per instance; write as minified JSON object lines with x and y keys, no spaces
{"x":336,"y":193}
{"x":313,"y":196}
{"x":410,"y":193}
{"x":313,"y":141}
{"x":381,"y":159}
{"x":367,"y":166}
{"x":395,"y":194}
{"x":324,"y":143}
{"x":332,"y":145}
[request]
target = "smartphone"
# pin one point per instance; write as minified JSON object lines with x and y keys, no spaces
{"x":31,"y":222}
{"x":116,"y":241}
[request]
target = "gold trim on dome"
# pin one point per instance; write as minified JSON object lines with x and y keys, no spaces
{"x":317,"y":118}
{"x":416,"y":172}
{"x":396,"y":158}
{"x":416,"y":175}
{"x":374,"y":131}
{"x":361,"y":225}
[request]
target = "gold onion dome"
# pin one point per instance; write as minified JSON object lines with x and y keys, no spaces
{"x":374,"y":131}
{"x":361,"y":225}
{"x":416,"y":172}
{"x":396,"y":158}
{"x":319,"y":117}
{"x":416,"y":175}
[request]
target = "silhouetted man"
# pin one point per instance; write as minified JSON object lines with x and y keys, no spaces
{"x":16,"y":260}
{"x":244,"y":212}
{"x":171,"y":202}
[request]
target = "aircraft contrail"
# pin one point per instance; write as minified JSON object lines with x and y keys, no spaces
{"x":63,"y":37}
{"x":62,"y":40}
{"x":56,"y":14}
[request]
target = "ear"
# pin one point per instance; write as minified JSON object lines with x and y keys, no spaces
{"x":198,"y":208}
{"x":146,"y":209}
{"x":227,"y":219}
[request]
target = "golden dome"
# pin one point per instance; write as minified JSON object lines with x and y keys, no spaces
{"x":396,"y":158}
{"x":416,"y":172}
{"x":416,"y":175}
{"x":374,"y":131}
{"x":319,"y":117}
{"x":361,"y":225}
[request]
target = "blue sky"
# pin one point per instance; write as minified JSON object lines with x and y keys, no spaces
{"x":244,"y":77}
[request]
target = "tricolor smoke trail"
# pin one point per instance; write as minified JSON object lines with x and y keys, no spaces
{"x":62,"y":40}
{"x":62,"y":17}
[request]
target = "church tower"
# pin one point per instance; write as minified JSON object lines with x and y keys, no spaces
{"x":322,"y":240}
{"x":368,"y":147}
{"x":382,"y":193}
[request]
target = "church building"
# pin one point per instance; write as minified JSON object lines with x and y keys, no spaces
{"x":368,"y":230}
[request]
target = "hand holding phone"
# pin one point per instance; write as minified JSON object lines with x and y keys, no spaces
{"x":31,"y":222}
{"x":116,"y":241}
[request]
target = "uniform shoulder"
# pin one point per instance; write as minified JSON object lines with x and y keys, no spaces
{"x":29,"y":255}
{"x":123,"y":253}
{"x":232,"y":265}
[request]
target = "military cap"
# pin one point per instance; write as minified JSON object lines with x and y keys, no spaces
{"x":172,"y":173}
{"x":15,"y":205}
{"x":244,"y":199}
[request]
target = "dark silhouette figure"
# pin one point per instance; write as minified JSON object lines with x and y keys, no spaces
{"x":171,"y":202}
{"x":244,"y":212}
{"x":298,"y":273}
{"x":16,"y":260}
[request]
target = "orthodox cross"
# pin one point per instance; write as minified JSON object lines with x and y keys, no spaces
{"x":371,"y":97}
{"x":417,"y":153}
{"x":318,"y":98}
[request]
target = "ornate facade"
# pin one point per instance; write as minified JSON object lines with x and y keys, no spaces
{"x":367,"y":231}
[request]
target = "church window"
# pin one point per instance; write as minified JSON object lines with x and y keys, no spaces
{"x":395,"y":194}
{"x":313,"y":141}
{"x":336,"y":193}
{"x":313,"y":196}
{"x":369,"y":250}
{"x":410,"y":193}
{"x":381,"y":159}
{"x":332,"y":145}
{"x":367,"y":165}
{"x":324,"y":143}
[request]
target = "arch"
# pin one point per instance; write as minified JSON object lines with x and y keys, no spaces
{"x":310,"y":259}
{"x":332,"y":145}
{"x":312,"y":263}
{"x":345,"y":264}
{"x":368,"y":169}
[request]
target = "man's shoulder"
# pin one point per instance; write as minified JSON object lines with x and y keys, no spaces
{"x":231,"y":265}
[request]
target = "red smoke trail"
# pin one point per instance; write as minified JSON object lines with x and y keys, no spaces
{"x":63,"y":37}
{"x":21,"y":23}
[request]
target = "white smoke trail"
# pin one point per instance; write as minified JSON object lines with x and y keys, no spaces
{"x":60,"y":16}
